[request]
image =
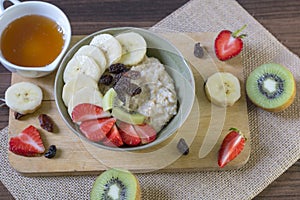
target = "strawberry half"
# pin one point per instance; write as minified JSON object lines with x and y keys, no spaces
{"x":86,"y":111}
{"x":128,"y":134}
{"x":146,"y":132}
{"x":27,"y":143}
{"x":113,"y":138}
{"x":232,"y":146}
{"x":97,"y":129}
{"x":228,"y":44}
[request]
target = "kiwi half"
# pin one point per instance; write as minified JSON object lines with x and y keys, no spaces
{"x":271,"y":86}
{"x":116,"y":184}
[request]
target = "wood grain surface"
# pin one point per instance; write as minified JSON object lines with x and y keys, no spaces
{"x":193,"y":130}
{"x":280,"y":17}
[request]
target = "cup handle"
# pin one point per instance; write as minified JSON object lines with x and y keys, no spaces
{"x":2,"y":4}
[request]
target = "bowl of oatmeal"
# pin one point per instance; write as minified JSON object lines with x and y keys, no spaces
{"x":124,"y":89}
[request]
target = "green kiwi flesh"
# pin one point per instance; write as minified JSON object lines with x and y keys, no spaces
{"x":108,"y":99}
{"x":128,"y":117}
{"x":115,"y":184}
{"x":271,"y":86}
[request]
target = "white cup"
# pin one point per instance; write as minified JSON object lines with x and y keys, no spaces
{"x":20,"y":9}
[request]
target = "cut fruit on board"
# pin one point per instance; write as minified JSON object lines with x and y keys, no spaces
{"x":193,"y":130}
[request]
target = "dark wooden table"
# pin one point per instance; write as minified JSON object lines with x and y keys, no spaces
{"x":280,"y":17}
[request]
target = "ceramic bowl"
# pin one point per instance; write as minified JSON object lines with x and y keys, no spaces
{"x":20,"y":9}
{"x":176,"y":67}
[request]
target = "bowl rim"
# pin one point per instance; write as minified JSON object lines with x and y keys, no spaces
{"x":71,"y":52}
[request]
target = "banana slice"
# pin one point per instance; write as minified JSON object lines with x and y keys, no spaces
{"x":133,"y":48}
{"x":76,"y":84}
{"x":81,"y":64}
{"x":223,"y":89}
{"x":85,"y":95}
{"x":24,"y":97}
{"x":95,"y":53}
{"x":110,"y":46}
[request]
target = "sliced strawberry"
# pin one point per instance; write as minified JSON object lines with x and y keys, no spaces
{"x":231,"y":147}
{"x":27,"y":143}
{"x":228,"y":44}
{"x":128,"y":134}
{"x":86,"y":111}
{"x":97,"y":129}
{"x":146,"y":133}
{"x":113,"y":138}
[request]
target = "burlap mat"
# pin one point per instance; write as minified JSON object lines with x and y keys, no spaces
{"x":274,"y":137}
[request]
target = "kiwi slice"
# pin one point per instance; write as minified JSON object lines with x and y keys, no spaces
{"x":108,"y":99}
{"x":271,"y":86}
{"x":116,"y":184}
{"x":127,"y":116}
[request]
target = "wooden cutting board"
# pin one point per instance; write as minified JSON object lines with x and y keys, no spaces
{"x":78,"y":157}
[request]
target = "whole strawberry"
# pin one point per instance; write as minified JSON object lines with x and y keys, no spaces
{"x":228,"y":44}
{"x":231,"y":147}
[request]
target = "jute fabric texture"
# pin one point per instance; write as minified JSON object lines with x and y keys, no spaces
{"x":275,"y":137}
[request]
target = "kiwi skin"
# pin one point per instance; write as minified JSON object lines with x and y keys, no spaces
{"x":284,"y":105}
{"x":99,"y":184}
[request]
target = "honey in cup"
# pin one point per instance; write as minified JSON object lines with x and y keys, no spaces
{"x":32,"y":41}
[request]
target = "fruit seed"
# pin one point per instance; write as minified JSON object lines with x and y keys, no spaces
{"x":279,"y":85}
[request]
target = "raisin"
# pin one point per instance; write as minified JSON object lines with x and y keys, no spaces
{"x":121,"y":82}
{"x":18,"y":115}
{"x":183,"y":147}
{"x":46,"y":122}
{"x":137,"y":91}
{"x":106,"y":79}
{"x":116,"y":78}
{"x":133,"y":90}
{"x":134,"y":75}
{"x":117,"y":68}
{"x":51,"y":152}
{"x":198,"y":50}
{"x":121,"y":96}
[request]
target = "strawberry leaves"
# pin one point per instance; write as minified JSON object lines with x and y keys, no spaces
{"x":236,"y":34}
